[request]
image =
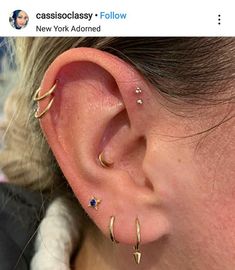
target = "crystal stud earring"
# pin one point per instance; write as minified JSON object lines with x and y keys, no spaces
{"x":94,"y":203}
{"x":138,"y":90}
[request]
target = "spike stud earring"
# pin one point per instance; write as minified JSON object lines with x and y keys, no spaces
{"x":94,"y":203}
{"x":137,"y":253}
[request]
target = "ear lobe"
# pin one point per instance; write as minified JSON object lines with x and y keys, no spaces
{"x":95,"y":110}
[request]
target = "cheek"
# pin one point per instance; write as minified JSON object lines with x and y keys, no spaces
{"x":204,"y":195}
{"x":195,"y":181}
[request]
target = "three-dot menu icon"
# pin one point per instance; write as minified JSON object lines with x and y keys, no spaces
{"x":219,"y":19}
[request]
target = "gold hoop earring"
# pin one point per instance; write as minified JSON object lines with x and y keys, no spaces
{"x":112,"y":219}
{"x":36,"y":97}
{"x":137,"y":253}
{"x":103,"y":162}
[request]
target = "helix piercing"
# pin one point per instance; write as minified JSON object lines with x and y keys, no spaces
{"x":111,"y":233}
{"x":103,"y":162}
{"x":138,"y":91}
{"x":139,"y":101}
{"x":37,"y":97}
{"x":94,"y":203}
{"x":137,"y":254}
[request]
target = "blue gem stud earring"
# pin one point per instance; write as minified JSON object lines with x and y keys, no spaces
{"x":94,"y":203}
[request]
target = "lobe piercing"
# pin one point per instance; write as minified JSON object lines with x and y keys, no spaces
{"x":137,"y":254}
{"x":111,"y":233}
{"x":94,"y":203}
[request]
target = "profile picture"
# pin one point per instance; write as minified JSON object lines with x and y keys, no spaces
{"x":19,"y":19}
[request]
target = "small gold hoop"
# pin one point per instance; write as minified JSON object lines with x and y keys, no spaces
{"x":103,"y":162}
{"x":36,"y":96}
{"x":137,"y":233}
{"x":111,"y":225}
{"x":40,"y":115}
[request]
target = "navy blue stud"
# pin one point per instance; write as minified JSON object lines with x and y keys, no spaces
{"x":94,"y":203}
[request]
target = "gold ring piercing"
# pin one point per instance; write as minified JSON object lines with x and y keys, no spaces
{"x":36,"y":97}
{"x":40,"y":115}
{"x":103,"y":162}
{"x":137,"y":253}
{"x":112,"y":219}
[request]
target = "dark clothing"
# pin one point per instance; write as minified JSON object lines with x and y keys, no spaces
{"x":20,"y":214}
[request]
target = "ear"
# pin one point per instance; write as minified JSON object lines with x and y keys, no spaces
{"x":96,"y":109}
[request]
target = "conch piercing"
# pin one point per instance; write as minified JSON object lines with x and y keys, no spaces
{"x":94,"y":203}
{"x":138,"y":91}
{"x":112,"y":219}
{"x":103,"y":162}
{"x":137,"y":253}
{"x":37,"y":97}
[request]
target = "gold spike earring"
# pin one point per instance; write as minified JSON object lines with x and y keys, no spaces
{"x":137,"y":253}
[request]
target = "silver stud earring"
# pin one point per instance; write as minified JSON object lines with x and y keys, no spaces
{"x":138,"y":91}
{"x":139,"y":101}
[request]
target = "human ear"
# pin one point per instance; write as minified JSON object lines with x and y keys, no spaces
{"x":98,"y":108}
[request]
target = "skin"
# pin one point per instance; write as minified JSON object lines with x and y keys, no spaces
{"x":196,"y":192}
{"x":182,"y":190}
{"x":21,"y":19}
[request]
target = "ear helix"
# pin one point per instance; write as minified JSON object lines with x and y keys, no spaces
{"x":50,"y":93}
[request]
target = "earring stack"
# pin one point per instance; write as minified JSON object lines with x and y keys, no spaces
{"x":94,"y":202}
{"x":38,"y":98}
{"x":138,"y":91}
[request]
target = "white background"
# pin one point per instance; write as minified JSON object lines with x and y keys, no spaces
{"x":144,"y":18}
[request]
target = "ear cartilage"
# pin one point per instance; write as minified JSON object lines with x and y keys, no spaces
{"x":94,"y":203}
{"x":139,"y":101}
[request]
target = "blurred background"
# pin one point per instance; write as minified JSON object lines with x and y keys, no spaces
{"x":7,"y":81}
{"x":7,"y":71}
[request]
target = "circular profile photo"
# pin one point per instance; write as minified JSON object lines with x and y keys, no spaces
{"x":19,"y":19}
